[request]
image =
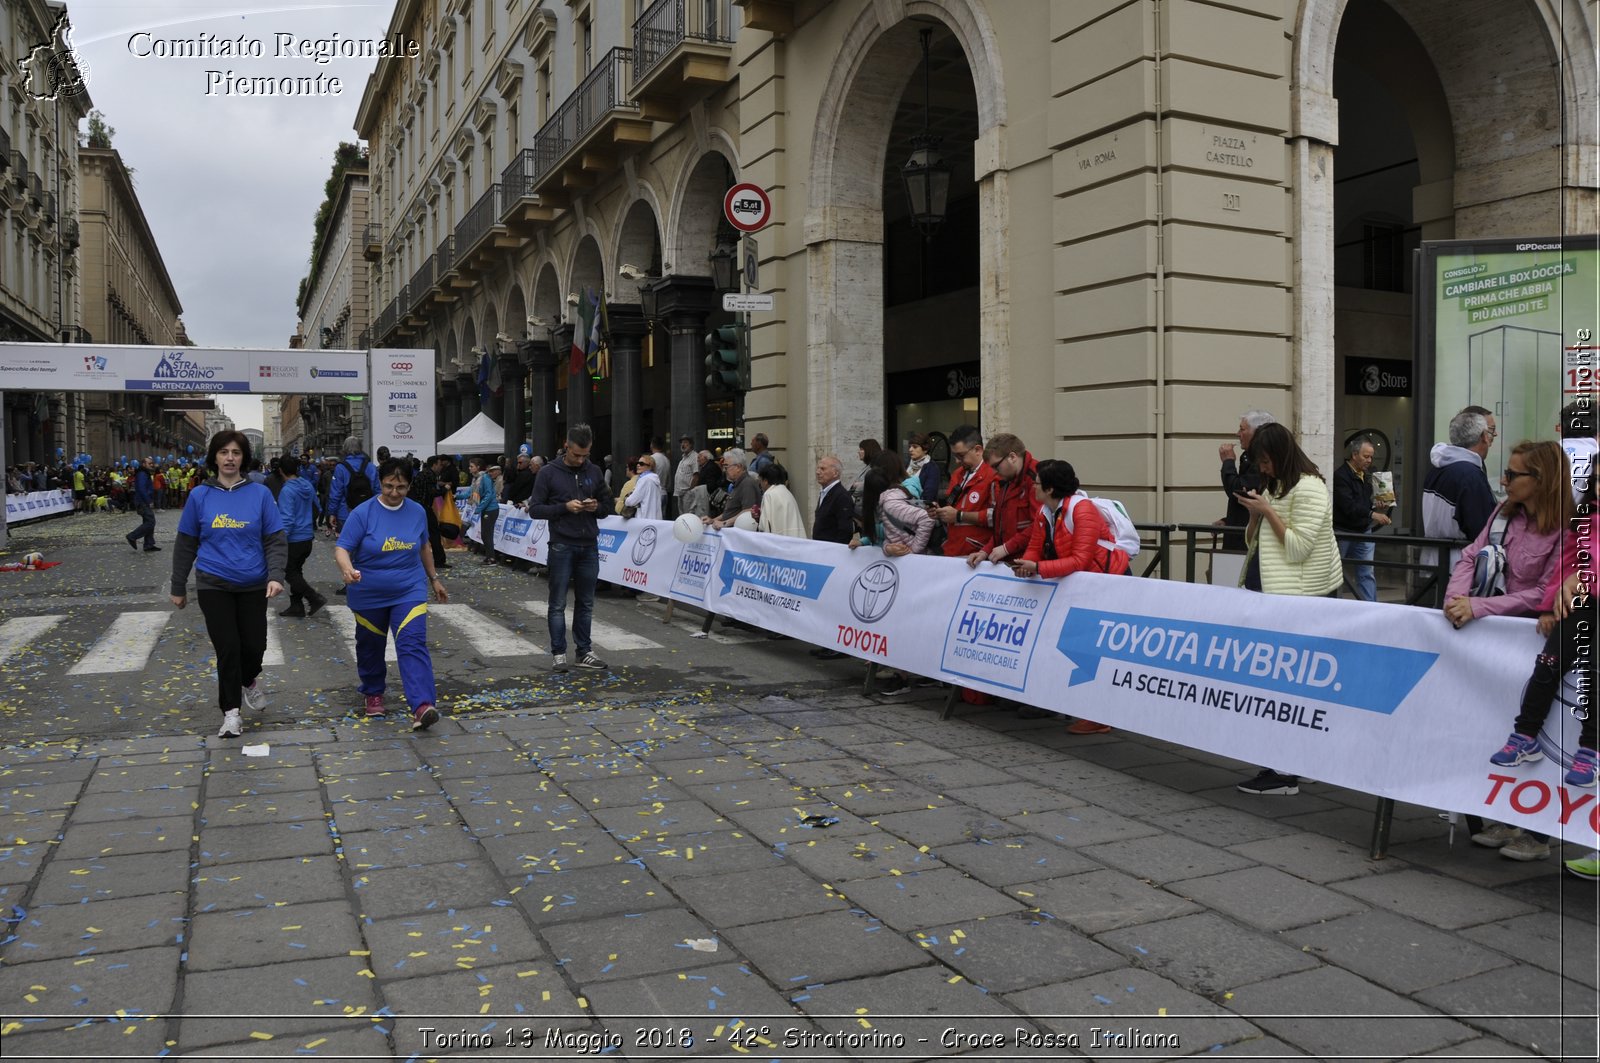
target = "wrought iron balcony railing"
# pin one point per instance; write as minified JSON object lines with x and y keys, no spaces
{"x":421,"y":283}
{"x":668,"y":23}
{"x":478,"y":220}
{"x":603,"y":90}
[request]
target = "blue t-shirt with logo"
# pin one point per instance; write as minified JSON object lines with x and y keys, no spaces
{"x":384,"y":547}
{"x":231,"y":525}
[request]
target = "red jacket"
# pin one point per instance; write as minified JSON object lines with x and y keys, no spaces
{"x":1079,"y":549}
{"x":971,"y":491}
{"x":1016,"y":501}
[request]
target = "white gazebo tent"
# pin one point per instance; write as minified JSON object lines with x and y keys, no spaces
{"x":478,"y":436}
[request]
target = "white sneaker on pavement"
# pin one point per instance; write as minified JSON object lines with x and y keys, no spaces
{"x":232,"y":726}
{"x":255,"y":696}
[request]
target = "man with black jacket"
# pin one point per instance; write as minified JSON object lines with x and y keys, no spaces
{"x":1353,"y":512}
{"x":520,"y":487}
{"x":835,"y":520}
{"x":144,"y":500}
{"x":1241,"y":478}
{"x":424,"y":486}
{"x":571,"y":493}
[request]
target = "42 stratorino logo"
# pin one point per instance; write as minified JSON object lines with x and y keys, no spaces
{"x":873,"y":592}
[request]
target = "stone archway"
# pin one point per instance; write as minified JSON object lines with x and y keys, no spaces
{"x":844,"y":225}
{"x":1516,"y":160}
{"x":544,"y":319}
{"x":697,"y":213}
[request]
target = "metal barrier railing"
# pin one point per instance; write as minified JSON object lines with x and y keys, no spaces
{"x":1425,"y":586}
{"x":668,"y":23}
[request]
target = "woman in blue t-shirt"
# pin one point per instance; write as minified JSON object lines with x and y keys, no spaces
{"x":384,"y":558}
{"x":231,"y":534}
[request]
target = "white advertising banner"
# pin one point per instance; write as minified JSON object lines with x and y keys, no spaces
{"x":1384,"y":699}
{"x":182,"y":370}
{"x":402,"y":413}
{"x":35,"y":504}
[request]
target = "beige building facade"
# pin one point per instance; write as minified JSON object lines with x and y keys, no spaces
{"x":128,"y":298}
{"x":335,"y":314}
{"x":1161,"y":213}
{"x":39,"y":230}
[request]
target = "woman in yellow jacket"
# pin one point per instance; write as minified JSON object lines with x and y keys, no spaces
{"x":1291,"y":544}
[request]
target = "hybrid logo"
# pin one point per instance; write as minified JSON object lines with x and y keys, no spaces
{"x":995,"y":629}
{"x":694,"y":570}
{"x":517,"y":527}
{"x":610,"y":540}
{"x":873,"y":592}
{"x":644,"y":547}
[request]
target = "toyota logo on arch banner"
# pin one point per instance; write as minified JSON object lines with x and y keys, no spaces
{"x":404,"y":427}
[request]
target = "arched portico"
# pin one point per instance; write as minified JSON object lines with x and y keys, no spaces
{"x":844,"y":225}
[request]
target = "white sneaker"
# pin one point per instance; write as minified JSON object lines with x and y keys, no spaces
{"x":256,"y":697}
{"x":559,"y":663}
{"x":232,"y":726}
{"x":1497,"y":835}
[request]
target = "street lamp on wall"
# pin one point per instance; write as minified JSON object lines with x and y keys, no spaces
{"x":926,"y":174}
{"x":725,"y":266}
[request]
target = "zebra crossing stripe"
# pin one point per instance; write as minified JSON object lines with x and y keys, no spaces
{"x":345,"y":622}
{"x":274,"y":654}
{"x":17,"y":635}
{"x":126,"y":645}
{"x":488,"y":638}
{"x":606,"y":636}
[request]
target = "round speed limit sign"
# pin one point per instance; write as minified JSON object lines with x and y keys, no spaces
{"x":747,"y":207}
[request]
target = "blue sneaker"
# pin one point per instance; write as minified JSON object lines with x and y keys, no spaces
{"x":1518,"y":748}
{"x":1582,"y":772}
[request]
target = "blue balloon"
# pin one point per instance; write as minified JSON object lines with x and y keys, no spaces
{"x":525,"y":450}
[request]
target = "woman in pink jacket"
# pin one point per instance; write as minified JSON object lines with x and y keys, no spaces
{"x":1528,"y":526}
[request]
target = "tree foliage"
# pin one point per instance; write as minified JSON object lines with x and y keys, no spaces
{"x":100,"y":133}
{"x":345,"y":156}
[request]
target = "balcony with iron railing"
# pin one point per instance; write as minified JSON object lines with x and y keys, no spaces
{"x":364,"y":339}
{"x":587,"y":132}
{"x":680,"y":48}
{"x":5,"y":149}
{"x":19,"y":171}
{"x":421,"y":284}
{"x":479,"y":229}
{"x":372,"y":241}
{"x":49,"y":208}
{"x":387,"y":319}
{"x":36,"y":189}
{"x":523,"y":208}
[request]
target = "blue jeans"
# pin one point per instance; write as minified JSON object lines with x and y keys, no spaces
{"x":1366,"y":582}
{"x":578,"y":566}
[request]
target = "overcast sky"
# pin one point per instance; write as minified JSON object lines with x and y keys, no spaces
{"x":230,"y":184}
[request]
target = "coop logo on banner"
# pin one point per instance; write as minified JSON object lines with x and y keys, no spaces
{"x":995,"y":628}
{"x":693,"y":575}
{"x":772,"y":581}
{"x":1235,"y":663}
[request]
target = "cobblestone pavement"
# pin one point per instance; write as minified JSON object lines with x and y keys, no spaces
{"x":757,"y":861}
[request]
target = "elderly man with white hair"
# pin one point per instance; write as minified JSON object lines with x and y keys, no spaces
{"x":1241,"y":478}
{"x":744,"y":493}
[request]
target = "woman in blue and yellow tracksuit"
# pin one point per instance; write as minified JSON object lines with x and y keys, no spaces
{"x":231,"y":534}
{"x":384,"y":559}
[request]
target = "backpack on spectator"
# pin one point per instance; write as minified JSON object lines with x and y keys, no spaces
{"x":1489,"y":567}
{"x":1124,"y":536}
{"x":359,"y":489}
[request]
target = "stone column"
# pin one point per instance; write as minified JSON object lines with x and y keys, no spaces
{"x":467,"y":392}
{"x":57,"y":436}
{"x":542,"y":397}
{"x":36,"y":435}
{"x":449,"y":408}
{"x":683,"y":304}
{"x":627,"y":401}
{"x":513,"y":373}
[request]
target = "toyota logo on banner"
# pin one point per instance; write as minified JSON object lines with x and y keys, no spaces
{"x":400,"y":367}
{"x":644,"y":546}
{"x":537,"y":531}
{"x":873,"y":592}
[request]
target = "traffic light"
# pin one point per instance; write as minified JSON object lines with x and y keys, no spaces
{"x":727,"y":360}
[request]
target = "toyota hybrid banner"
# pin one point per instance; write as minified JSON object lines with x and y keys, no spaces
{"x":1385,"y":699}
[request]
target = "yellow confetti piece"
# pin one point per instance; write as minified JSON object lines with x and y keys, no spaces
{"x":1161,"y":1012}
{"x":526,"y":974}
{"x":953,"y":979}
{"x":544,"y":996}
{"x":361,"y":952}
{"x":1024,"y":893}
{"x":10,"y":1027}
{"x":92,"y":929}
{"x":314,"y":1044}
{"x":259,"y":1036}
{"x":366,"y":973}
{"x":583,"y":1002}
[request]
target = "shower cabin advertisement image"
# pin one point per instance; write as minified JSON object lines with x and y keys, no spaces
{"x":1508,"y":325}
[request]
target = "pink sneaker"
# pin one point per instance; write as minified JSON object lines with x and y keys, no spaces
{"x":425,"y":717}
{"x":375,"y":709}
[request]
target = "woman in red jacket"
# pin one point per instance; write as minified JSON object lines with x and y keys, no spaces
{"x":1070,"y":536}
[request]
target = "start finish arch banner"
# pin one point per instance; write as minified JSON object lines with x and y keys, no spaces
{"x":1384,"y":699}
